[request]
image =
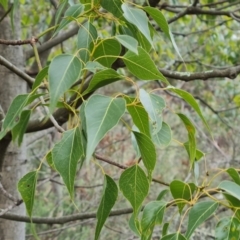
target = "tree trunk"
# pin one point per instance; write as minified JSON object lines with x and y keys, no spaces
{"x":14,"y":165}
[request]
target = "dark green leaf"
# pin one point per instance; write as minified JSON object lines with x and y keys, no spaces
{"x":152,"y":215}
{"x":234,"y":174}
{"x":39,"y":78}
{"x":200,"y":212}
{"x":101,"y":79}
{"x":235,"y":203}
{"x":20,"y":128}
{"x":165,"y":229}
{"x":107,"y":51}
{"x":65,"y":156}
{"x":142,"y":66}
{"x":26,"y":187}
{"x":87,"y":33}
{"x":113,"y":6}
{"x":134,"y":185}
{"x":108,"y":200}
{"x":102,"y":114}
{"x":162,"y":194}
{"x":64,"y":70}
{"x":147,"y":150}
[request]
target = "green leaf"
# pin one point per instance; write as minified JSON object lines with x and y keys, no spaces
{"x":199,"y":153}
{"x":182,"y":193}
{"x":152,"y":215}
{"x":235,"y":203}
{"x":50,"y":161}
{"x":72,"y":13}
{"x":162,"y":194}
{"x":39,"y":78}
{"x":231,"y":188}
{"x":94,"y":66}
{"x":227,"y":229}
{"x":165,"y":229}
{"x":13,"y":114}
{"x":87,"y":33}
{"x":108,"y":200}
{"x":159,"y":18}
{"x":142,"y":66}
{"x":65,"y":156}
{"x":139,"y":115}
{"x":26,"y":187}
{"x":4,"y":3}
{"x":138,"y":18}
{"x":154,"y":106}
{"x":147,"y":150}
{"x":60,"y":10}
{"x":134,"y":225}
{"x":174,"y":236}
{"x":64,"y":70}
{"x":128,"y":42}
{"x":20,"y":128}
{"x":102,"y":114}
{"x":200,"y":212}
{"x":113,"y":6}
{"x":192,"y":145}
{"x":191,"y":101}
{"x":234,"y":174}
{"x":101,"y":79}
{"x":134,"y":185}
{"x":107,"y":51}
{"x":163,"y":137}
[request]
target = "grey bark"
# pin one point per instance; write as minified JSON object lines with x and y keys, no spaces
{"x":13,"y":166}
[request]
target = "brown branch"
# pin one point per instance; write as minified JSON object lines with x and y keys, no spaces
{"x":18,"y":42}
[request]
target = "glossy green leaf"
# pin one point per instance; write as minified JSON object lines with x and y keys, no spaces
{"x":174,"y":236}
{"x":162,"y":194}
{"x":163,"y":137}
{"x":107,"y":202}
{"x":234,"y":175}
{"x":19,"y":130}
{"x":147,"y":150}
{"x":231,"y":188}
{"x":191,"y":101}
{"x":39,"y":78}
{"x":228,"y":229}
{"x":94,"y":66}
{"x":65,"y":156}
{"x":87,"y":33}
{"x":13,"y":114}
{"x":64,"y":70}
{"x":154,"y":106}
{"x":128,"y":42}
{"x":152,"y":215}
{"x":101,"y":79}
{"x":165,"y":229}
{"x":182,"y":193}
{"x":159,"y":18}
{"x":142,"y":66}
{"x":134,"y":185}
{"x":138,"y":18}
{"x":62,"y":6}
{"x":199,"y":213}
{"x":71,"y":14}
{"x":26,"y":187}
{"x":113,"y":6}
{"x":107,"y":51}
{"x":192,"y":145}
{"x":102,"y":114}
{"x":139,"y":115}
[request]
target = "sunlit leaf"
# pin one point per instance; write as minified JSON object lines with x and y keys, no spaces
{"x":152,"y":215}
{"x":64,"y":70}
{"x":102,"y":114}
{"x":107,"y":51}
{"x":147,"y":150}
{"x":154,"y":106}
{"x":134,"y":185}
{"x":26,"y":187}
{"x":128,"y":42}
{"x":87,"y":33}
{"x":200,"y":212}
{"x":138,"y":18}
{"x":142,"y":66}
{"x":108,"y":200}
{"x":65,"y":156}
{"x":163,"y":137}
